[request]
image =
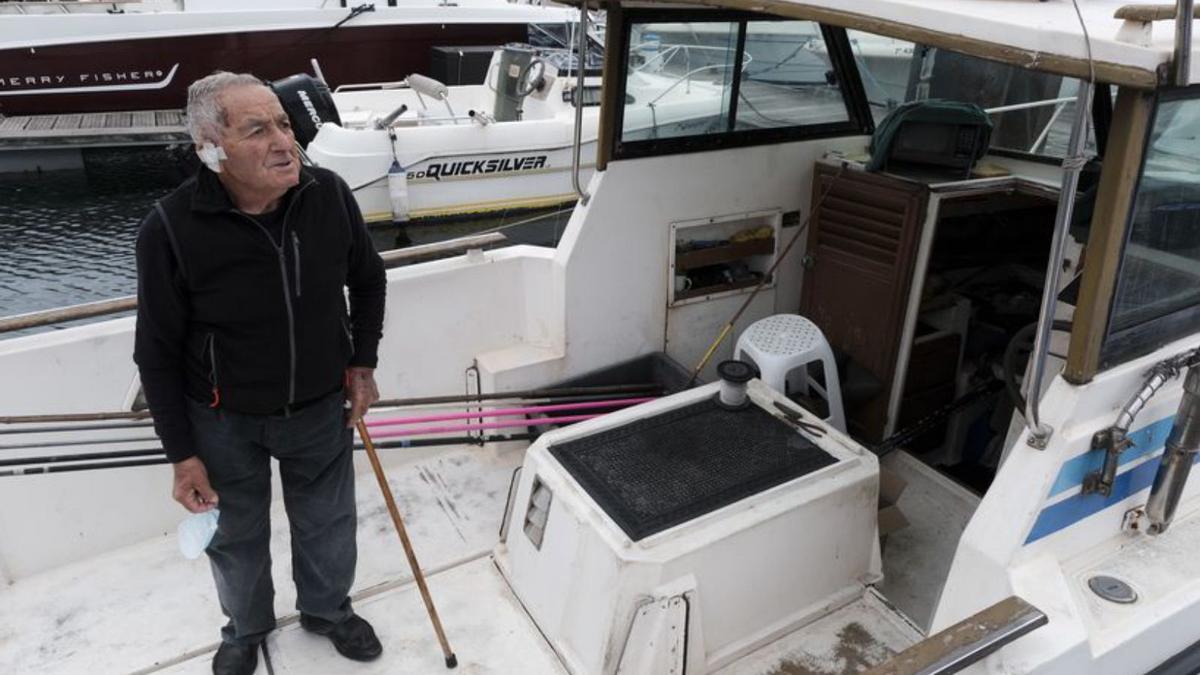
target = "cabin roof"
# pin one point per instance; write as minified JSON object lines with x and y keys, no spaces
{"x":1040,"y":35}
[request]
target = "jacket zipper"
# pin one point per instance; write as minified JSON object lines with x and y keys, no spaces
{"x":296,"y":260}
{"x":212,"y":371}
{"x":349,"y":337}
{"x":287,"y":291}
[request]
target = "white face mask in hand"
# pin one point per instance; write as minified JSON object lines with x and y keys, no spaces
{"x":196,"y":531}
{"x":211,"y":155}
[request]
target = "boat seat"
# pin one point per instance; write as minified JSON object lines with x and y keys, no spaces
{"x":782,"y":344}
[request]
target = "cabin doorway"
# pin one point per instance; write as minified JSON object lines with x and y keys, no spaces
{"x":928,"y":293}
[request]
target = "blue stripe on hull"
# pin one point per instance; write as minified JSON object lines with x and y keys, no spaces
{"x":1149,"y":439}
{"x":1077,"y":507}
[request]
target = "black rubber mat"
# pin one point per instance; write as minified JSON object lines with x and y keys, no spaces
{"x":658,"y":472}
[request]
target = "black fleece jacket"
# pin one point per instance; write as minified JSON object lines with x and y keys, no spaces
{"x":232,"y":318}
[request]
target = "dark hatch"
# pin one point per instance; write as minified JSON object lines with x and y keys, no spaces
{"x":658,"y":472}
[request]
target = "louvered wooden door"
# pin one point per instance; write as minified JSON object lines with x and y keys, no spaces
{"x":862,"y":249}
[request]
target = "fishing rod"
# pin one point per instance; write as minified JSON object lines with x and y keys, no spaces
{"x":147,"y":423}
{"x":388,"y":403}
{"x":83,"y":456}
{"x":67,"y":444}
{"x":79,"y":427}
{"x":393,"y":421}
{"x":67,"y":463}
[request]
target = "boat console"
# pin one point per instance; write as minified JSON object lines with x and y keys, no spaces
{"x":635,"y":531}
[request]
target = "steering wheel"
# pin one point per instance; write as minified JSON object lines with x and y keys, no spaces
{"x":531,"y":78}
{"x":1016,"y":355}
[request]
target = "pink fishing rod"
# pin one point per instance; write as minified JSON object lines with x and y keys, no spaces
{"x":418,"y":431}
{"x":506,"y":412}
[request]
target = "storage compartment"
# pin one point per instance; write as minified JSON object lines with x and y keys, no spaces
{"x":719,"y":255}
{"x":652,"y":509}
{"x":454,"y":66}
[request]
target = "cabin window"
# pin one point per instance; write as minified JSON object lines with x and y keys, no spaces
{"x":1032,"y":112}
{"x":1157,"y":297}
{"x":791,"y":82}
{"x":682,"y":83}
{"x":704,"y":80}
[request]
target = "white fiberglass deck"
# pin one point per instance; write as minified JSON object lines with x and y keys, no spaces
{"x":145,"y":608}
{"x":487,"y":628}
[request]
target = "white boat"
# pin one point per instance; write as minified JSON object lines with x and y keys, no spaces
{"x":71,"y":57}
{"x":502,"y":145}
{"x":1051,"y":524}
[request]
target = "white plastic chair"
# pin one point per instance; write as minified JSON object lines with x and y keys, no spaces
{"x":784,"y":343}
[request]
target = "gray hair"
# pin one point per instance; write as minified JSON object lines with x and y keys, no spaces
{"x":205,"y":116}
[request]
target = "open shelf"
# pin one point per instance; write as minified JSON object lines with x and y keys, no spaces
{"x":688,"y":260}
{"x":718,"y":288}
{"x":712,"y":258}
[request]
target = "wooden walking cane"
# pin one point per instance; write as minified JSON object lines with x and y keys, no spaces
{"x":451,"y":659}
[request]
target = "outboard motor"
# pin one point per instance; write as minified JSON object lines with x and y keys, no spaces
{"x":308,"y":104}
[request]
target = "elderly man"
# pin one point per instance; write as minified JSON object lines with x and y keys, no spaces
{"x":246,"y":352}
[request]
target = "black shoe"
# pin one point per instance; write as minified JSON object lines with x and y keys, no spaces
{"x":234,"y":659}
{"x":353,"y":638}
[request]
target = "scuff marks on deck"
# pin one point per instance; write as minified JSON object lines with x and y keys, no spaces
{"x":850,"y":640}
{"x":856,"y":650}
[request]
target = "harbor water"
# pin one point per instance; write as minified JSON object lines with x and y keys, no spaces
{"x":68,"y":237}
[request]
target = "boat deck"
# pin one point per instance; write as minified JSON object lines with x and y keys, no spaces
{"x":145,"y":609}
{"x":90,"y":130}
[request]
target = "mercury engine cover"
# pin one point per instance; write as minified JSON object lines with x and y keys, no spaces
{"x":308,"y":104}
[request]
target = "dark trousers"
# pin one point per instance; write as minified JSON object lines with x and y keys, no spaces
{"x":314,"y":449}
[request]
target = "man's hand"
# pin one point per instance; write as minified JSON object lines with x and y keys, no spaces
{"x":361,"y":392}
{"x":192,"y":488}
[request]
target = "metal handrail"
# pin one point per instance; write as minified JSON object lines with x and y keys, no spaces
{"x":688,"y":77}
{"x":581,"y":71}
{"x":1042,"y":137}
{"x":1028,"y":104}
{"x":1039,"y":433}
{"x":666,"y":54}
{"x":128,"y":303}
{"x":966,"y":642}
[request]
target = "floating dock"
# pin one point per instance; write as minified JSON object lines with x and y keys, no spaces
{"x":92,"y":130}
{"x":53,"y":142}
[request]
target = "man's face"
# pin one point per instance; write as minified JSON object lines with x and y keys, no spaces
{"x":258,"y":142}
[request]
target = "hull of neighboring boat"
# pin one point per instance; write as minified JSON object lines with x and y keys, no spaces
{"x":151,"y":69}
{"x":464,"y":170}
{"x":154,"y":73}
{"x":455,"y":165}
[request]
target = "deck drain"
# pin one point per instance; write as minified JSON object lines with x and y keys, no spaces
{"x":1112,"y":589}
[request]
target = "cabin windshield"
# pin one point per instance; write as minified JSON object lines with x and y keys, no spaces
{"x":1158,"y":287}
{"x":1032,"y":112}
{"x":727,"y":79}
{"x":719,"y":79}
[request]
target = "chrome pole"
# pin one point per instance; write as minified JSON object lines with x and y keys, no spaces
{"x":581,"y":69}
{"x":1178,"y":455}
{"x":1039,"y":433}
{"x":1184,"y":13}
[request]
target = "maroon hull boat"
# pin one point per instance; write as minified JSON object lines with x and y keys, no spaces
{"x":147,"y":72}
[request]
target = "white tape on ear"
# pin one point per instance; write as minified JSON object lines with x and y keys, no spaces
{"x":211,"y":155}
